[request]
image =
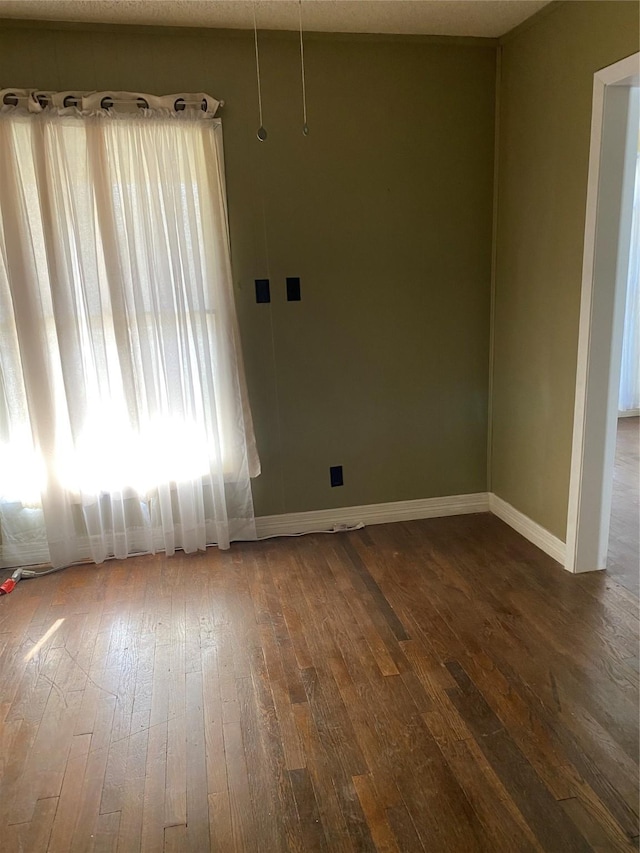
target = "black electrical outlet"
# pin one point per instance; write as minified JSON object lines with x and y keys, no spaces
{"x":262,"y":290}
{"x":293,"y":289}
{"x":335,"y":475}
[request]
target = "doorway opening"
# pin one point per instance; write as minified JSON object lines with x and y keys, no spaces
{"x":608,"y":240}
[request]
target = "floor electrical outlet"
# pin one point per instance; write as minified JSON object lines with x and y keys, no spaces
{"x":335,"y":475}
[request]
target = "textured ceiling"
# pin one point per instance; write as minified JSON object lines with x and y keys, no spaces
{"x":435,"y":17}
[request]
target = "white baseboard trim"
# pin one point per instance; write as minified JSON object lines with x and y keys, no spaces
{"x":528,"y":528}
{"x":630,"y":413}
{"x":326,"y":519}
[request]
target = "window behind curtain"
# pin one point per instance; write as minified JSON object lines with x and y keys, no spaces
{"x":124,"y":424}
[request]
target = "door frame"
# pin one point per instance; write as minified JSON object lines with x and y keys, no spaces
{"x":606,"y":248}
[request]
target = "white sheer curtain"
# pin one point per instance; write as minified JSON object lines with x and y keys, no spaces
{"x":630,"y":374}
{"x":124,"y":424}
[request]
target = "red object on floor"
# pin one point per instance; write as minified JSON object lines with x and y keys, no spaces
{"x":7,"y":586}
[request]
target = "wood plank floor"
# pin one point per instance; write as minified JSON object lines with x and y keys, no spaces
{"x":623,"y":559}
{"x":432,"y":686}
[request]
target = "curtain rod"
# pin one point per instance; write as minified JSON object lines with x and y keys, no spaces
{"x":39,"y":99}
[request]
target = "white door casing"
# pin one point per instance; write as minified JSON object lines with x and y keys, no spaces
{"x":614,"y":139}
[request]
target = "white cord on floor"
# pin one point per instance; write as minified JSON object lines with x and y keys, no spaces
{"x":347,"y":528}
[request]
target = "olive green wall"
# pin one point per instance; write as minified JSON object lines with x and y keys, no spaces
{"x":545,"y":95}
{"x":384,"y":211}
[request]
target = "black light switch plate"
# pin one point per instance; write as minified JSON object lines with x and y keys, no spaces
{"x":335,"y":475}
{"x":262,"y":290}
{"x":293,"y":289}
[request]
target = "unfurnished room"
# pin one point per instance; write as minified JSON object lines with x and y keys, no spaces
{"x":319,"y":426}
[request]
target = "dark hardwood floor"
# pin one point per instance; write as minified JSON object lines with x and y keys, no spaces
{"x":623,"y":559}
{"x":432,"y":686}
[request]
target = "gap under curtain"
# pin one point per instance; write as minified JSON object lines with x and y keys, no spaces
{"x":124,"y":419}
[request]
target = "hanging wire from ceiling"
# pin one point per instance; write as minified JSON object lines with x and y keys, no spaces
{"x":305,"y":126}
{"x":262,"y":133}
